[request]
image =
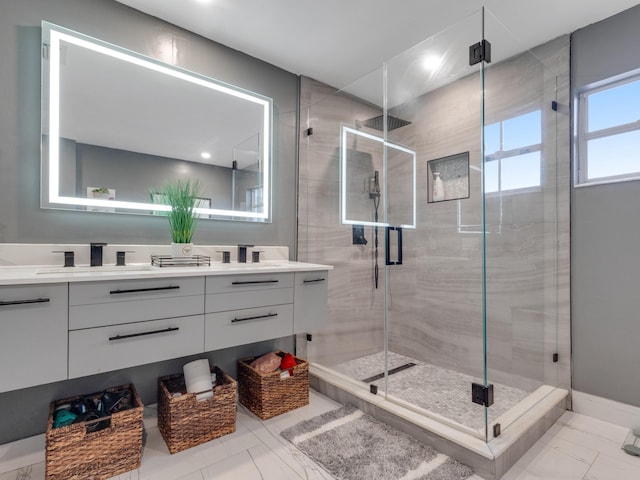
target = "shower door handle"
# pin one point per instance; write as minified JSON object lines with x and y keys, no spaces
{"x":387,"y":245}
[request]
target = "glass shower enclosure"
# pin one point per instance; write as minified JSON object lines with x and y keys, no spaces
{"x":432,"y":187}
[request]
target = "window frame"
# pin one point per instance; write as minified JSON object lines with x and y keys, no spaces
{"x":501,"y":155}
{"x":583,"y":136}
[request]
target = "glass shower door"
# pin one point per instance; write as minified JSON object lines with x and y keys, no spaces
{"x":434,"y":312}
{"x":525,"y":177}
{"x":341,"y":222}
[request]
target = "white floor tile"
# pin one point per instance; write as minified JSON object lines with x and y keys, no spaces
{"x":32,"y":472}
{"x":594,"y":434}
{"x":544,"y":462}
{"x":575,"y":448}
{"x":271,"y":466}
{"x":193,"y":476}
{"x":159,"y":464}
{"x":239,"y":466}
{"x":607,"y":468}
{"x":576,"y":451}
{"x":21,"y":453}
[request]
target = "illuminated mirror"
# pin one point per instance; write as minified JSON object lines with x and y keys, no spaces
{"x":369,"y":196}
{"x":117,"y":125}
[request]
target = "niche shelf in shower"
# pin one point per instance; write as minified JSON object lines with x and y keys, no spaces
{"x":454,"y":172}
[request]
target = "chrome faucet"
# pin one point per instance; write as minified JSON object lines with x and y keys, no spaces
{"x":96,"y":254}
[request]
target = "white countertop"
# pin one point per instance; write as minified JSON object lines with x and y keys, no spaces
{"x":32,"y":274}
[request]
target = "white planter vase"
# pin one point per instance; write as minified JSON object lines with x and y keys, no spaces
{"x":181,"y":250}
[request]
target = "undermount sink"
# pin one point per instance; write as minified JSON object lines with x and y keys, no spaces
{"x":87,"y":268}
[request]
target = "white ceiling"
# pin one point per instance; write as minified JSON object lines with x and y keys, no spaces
{"x":339,"y":41}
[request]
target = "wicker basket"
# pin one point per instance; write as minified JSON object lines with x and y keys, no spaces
{"x":184,"y":422}
{"x":75,"y":452}
{"x":268,"y":395}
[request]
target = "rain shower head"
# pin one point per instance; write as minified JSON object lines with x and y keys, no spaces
{"x":377,"y":123}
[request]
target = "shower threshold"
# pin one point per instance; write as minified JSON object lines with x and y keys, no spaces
{"x":526,"y":422}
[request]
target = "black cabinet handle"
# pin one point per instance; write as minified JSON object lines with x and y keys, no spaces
{"x":244,"y":319}
{"x":164,"y":330}
{"x":316,"y":280}
{"x":24,"y":302}
{"x":253,"y":282}
{"x":139,"y":290}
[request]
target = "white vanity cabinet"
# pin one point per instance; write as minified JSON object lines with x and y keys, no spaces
{"x":123,"y":323}
{"x":310,"y":301}
{"x":33,"y":335}
{"x":83,"y":323}
{"x":247,"y":308}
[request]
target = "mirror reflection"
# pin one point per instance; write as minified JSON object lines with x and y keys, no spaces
{"x":117,"y":125}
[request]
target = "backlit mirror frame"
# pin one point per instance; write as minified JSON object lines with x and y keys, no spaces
{"x":52,"y":36}
{"x":344,"y":160}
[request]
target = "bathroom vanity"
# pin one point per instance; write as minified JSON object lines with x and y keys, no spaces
{"x":61,"y":323}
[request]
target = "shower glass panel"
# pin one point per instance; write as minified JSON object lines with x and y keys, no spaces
{"x":341,"y":222}
{"x":439,"y":192}
{"x":434,"y":312}
{"x":521,"y":222}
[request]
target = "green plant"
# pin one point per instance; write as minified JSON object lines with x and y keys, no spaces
{"x":181,"y":195}
{"x":100,"y":190}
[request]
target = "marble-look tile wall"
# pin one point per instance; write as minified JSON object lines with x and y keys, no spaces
{"x":355,"y":310}
{"x":435,"y":298}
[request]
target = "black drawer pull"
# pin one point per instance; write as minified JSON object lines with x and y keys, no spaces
{"x":164,"y":330}
{"x":139,"y":290}
{"x":23,"y":302}
{"x":253,"y":282}
{"x":244,"y":319}
{"x":316,"y":280}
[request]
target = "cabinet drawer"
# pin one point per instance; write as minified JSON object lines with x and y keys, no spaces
{"x":118,"y":302}
{"x":104,"y":349}
{"x":218,"y":302}
{"x":33,"y":335}
{"x":127,"y":290}
{"x":248,"y":282}
{"x":310,"y":304}
{"x":227,"y":329}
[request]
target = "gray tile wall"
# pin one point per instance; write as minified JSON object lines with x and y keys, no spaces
{"x":435,"y":297}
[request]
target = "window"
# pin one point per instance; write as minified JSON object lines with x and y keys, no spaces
{"x":513,"y":153}
{"x":608,"y":130}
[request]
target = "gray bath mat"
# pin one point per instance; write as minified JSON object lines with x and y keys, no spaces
{"x":352,"y":445}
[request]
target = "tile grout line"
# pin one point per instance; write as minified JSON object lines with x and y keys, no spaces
{"x":584,"y":477}
{"x":284,"y":444}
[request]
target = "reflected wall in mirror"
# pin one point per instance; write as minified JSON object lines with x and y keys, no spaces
{"x":118,"y":122}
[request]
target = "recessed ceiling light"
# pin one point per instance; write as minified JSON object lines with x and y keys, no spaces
{"x":431,"y":62}
{"x":205,"y":155}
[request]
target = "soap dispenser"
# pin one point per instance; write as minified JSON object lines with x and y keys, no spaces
{"x":438,"y":188}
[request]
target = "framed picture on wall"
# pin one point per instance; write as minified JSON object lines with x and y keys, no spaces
{"x":102,"y":193}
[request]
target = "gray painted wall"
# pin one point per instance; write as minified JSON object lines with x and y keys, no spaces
{"x":123,"y":171}
{"x":22,"y":220}
{"x":604,"y":238}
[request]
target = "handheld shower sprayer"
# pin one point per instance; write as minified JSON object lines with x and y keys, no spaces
{"x":374,"y":194}
{"x":374,"y":185}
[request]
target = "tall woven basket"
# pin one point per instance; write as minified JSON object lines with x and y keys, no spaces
{"x":184,"y":422}
{"x":268,"y":395}
{"x":75,"y":452}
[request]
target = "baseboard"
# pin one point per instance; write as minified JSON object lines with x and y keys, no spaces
{"x":607,"y":410}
